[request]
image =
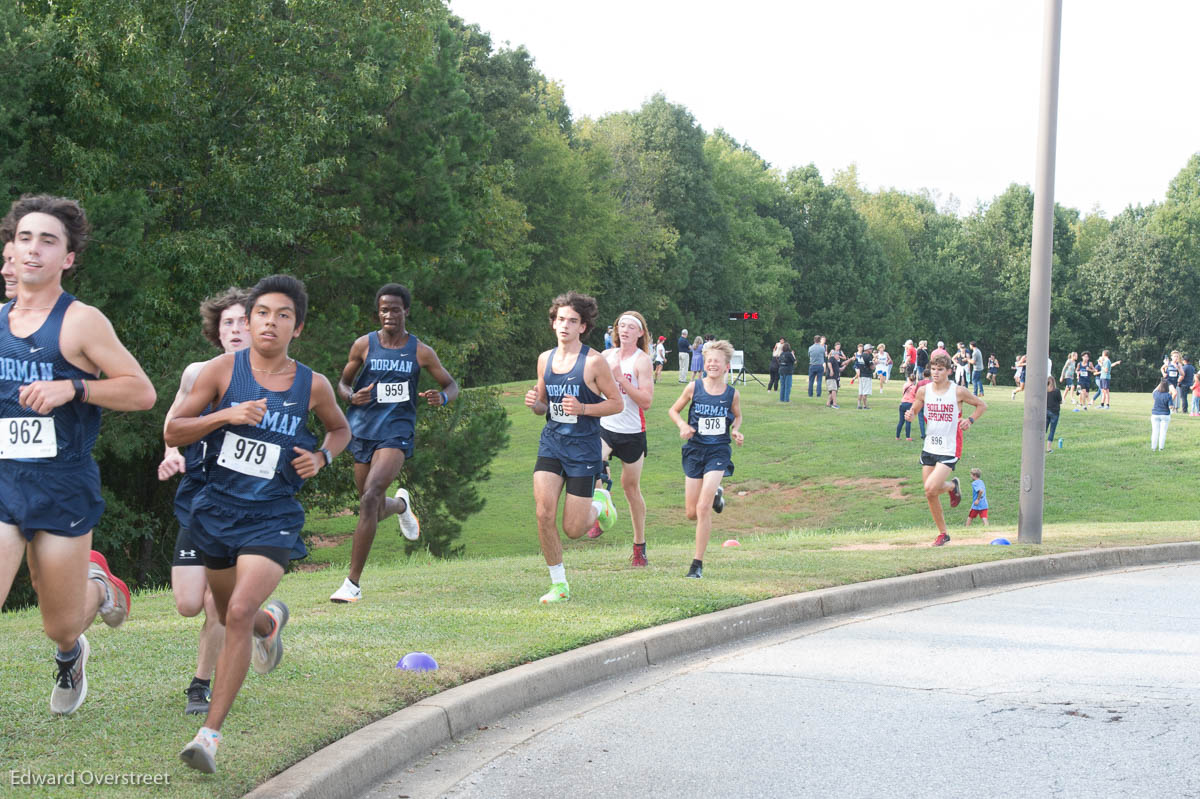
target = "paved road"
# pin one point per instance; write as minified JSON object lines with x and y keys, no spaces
{"x":1084,"y":687}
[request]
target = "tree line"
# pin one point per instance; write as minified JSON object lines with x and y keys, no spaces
{"x":387,"y":140}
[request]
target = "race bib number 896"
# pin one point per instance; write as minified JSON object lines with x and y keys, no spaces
{"x":28,"y":437}
{"x":249,"y":457}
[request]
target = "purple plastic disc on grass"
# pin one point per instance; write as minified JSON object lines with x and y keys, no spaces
{"x":417,"y":661}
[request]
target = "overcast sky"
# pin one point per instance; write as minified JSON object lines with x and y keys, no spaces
{"x":926,"y":94}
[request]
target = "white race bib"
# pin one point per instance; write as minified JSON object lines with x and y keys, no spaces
{"x":28,"y":437}
{"x":557,"y":414}
{"x":391,"y":392}
{"x":935,"y":441}
{"x":711,"y":425}
{"x":248,"y":456}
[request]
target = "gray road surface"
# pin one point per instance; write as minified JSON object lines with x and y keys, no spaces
{"x":1079,"y":688}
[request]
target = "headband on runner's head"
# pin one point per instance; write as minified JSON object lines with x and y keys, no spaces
{"x":634,"y":320}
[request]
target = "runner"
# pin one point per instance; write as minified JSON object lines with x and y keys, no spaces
{"x":223,"y":321}
{"x":993,"y":369}
{"x":883,"y":366}
{"x":624,"y":434}
{"x":1067,"y":377}
{"x":380,"y":384}
{"x":865,"y":367}
{"x":575,"y":386}
{"x":942,"y":402}
{"x":53,"y":350}
{"x":1083,"y":380}
{"x":714,"y":418}
{"x":246,"y":521}
{"x":1019,"y":375}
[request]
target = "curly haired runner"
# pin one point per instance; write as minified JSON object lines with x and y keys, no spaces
{"x":942,"y":402}
{"x":575,"y":386}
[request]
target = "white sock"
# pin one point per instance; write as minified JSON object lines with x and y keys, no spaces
{"x":558,"y":574}
{"x":598,"y":507}
{"x":209,"y":735}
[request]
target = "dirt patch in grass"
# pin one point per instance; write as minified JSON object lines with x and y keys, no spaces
{"x":752,"y":507}
{"x":309,"y":567}
{"x":327,"y":541}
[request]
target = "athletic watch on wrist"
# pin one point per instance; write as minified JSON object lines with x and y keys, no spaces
{"x":328,"y":457}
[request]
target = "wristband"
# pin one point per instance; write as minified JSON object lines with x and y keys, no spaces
{"x":79,"y":387}
{"x":445,"y":400}
{"x":328,"y":457}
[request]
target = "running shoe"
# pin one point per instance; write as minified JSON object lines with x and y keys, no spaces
{"x":908,"y":439}
{"x":70,"y":684}
{"x":198,"y":699}
{"x":695,"y":572}
{"x":608,"y":514}
{"x":559,"y":592}
{"x":349,"y":592}
{"x":594,"y":531}
{"x":941,"y":539}
{"x":201,"y":753}
{"x":955,"y":495}
{"x":268,"y":649}
{"x":638,"y":558}
{"x":410,"y":527}
{"x":719,"y":499}
{"x":115,"y":607}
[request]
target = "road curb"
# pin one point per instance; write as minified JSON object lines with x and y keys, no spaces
{"x":352,"y":765}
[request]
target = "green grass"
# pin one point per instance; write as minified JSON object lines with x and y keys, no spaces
{"x":798,"y":528}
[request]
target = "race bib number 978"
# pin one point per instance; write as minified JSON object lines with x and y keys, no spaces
{"x":711,"y":425}
{"x":28,"y":437}
{"x":249,"y":457}
{"x":391,"y":392}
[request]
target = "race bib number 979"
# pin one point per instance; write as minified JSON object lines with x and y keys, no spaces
{"x":28,"y":437}
{"x":249,"y":457}
{"x":391,"y":392}
{"x":711,"y":425}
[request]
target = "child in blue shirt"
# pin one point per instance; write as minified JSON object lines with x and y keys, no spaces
{"x":979,"y":505}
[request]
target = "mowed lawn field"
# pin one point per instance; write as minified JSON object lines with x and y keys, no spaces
{"x":820,"y":498}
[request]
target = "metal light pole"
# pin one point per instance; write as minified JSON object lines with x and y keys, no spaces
{"x":1037,"y":345}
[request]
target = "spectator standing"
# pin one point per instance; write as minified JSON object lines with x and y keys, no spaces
{"x":939,"y":350}
{"x":906,"y":401}
{"x":1185,"y":383}
{"x":1106,"y":363}
{"x":787,"y":365}
{"x":1160,"y":415}
{"x":660,"y":357}
{"x":697,"y":358}
{"x":993,"y":368}
{"x":685,"y":355}
{"x":773,"y":372}
{"x":922,"y":358}
{"x":976,"y":369}
{"x":816,"y":363}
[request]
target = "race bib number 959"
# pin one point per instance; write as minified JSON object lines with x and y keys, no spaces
{"x":391,"y":392}
{"x":28,"y":437}
{"x":711,"y":425}
{"x":249,"y":457}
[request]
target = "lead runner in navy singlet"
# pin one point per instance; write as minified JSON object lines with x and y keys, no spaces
{"x":575,"y":386}
{"x":380,"y":383}
{"x":246,"y":521}
{"x":53,"y":350}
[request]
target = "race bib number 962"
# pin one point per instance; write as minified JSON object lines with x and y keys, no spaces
{"x":711,"y":425}
{"x":249,"y":457}
{"x":28,"y":437}
{"x":391,"y":392}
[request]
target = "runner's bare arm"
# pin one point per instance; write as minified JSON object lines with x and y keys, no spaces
{"x":429,"y":361}
{"x":965,"y":397}
{"x":736,"y":407}
{"x":685,"y":430}
{"x":536,"y":398}
{"x":89,"y":342}
{"x":188,"y":425}
{"x":642,"y":394}
{"x":173,"y":461}
{"x":354,"y":363}
{"x":599,"y":377}
{"x":324,"y":404}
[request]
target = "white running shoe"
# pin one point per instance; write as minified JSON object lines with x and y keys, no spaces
{"x":410,"y":527}
{"x":201,"y":753}
{"x":349,"y":592}
{"x":70,"y":684}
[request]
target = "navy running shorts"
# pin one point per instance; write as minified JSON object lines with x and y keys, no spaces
{"x":60,"y":497}
{"x":699,"y":459}
{"x":364,"y":448}
{"x":224,"y":527}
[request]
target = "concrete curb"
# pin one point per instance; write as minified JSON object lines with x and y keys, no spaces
{"x":352,"y":765}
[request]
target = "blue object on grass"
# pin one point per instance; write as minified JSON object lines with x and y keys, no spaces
{"x":417,"y":661}
{"x":1002,"y":542}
